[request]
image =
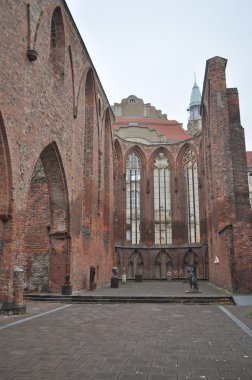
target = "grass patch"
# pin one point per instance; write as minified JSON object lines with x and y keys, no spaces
{"x":249,"y":314}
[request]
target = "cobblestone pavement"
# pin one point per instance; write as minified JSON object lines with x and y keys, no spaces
{"x":125,"y":342}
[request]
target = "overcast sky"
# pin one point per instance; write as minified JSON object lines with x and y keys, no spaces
{"x":151,"y":48}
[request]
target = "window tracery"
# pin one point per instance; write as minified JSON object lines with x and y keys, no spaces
{"x":189,"y":162}
{"x":133,"y":177}
{"x":162,"y":200}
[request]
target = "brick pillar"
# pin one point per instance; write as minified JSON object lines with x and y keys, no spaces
{"x":6,"y":274}
{"x":17,"y":306}
{"x":18,"y":291}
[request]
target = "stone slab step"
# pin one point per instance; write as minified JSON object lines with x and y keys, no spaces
{"x":216,"y":300}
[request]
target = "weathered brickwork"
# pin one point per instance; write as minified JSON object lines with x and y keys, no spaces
{"x":52,"y":107}
{"x":228,"y":212}
{"x":36,"y":237}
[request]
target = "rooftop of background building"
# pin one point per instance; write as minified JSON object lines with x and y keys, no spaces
{"x":249,"y":159}
{"x":167,"y":130}
{"x":140,"y":122}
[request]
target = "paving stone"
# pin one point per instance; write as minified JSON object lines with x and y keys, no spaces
{"x":124,"y":368}
{"x":101,"y":342}
{"x":161,"y":377}
{"x":133,"y":376}
{"x":103,"y":375}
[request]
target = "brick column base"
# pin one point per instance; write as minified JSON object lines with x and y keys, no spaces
{"x":18,"y":306}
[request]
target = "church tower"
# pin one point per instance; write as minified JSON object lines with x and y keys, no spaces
{"x":194,"y":122}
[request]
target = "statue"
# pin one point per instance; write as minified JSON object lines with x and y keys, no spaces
{"x":192,"y":277}
{"x":115,"y":272}
{"x":114,"y":278}
{"x":124,"y":279}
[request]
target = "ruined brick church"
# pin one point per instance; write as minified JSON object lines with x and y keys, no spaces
{"x":86,"y":186}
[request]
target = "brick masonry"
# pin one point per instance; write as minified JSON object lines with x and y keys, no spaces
{"x":53,"y":108}
{"x":228,"y":212}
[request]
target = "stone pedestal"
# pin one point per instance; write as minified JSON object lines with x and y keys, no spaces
{"x":114,"y":282}
{"x":138,"y":277}
{"x":67,"y":288}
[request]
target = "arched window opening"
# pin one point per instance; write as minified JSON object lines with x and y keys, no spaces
{"x":106,"y":172}
{"x":57,"y":51}
{"x":133,"y":177}
{"x":162,"y":200}
{"x":89,"y":124}
{"x":89,"y":146}
{"x":189,"y":162}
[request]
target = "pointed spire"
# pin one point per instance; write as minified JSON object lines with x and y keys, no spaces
{"x":194,"y":123}
{"x":195,"y":99}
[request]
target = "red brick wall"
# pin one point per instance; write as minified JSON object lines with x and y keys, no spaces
{"x":242,"y":238}
{"x":36,"y":238}
{"x":228,"y":212}
{"x":44,"y":115}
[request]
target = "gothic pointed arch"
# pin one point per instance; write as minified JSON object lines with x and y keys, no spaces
{"x":187,"y":148}
{"x":163,"y":264}
{"x":190,"y":257}
{"x":106,"y":172}
{"x":165,"y":152}
{"x":119,"y":193}
{"x":81,"y":90}
{"x":140,"y":153}
{"x":187,"y":163}
{"x":90,"y":114}
{"x":118,"y":154}
{"x":134,"y":164}
{"x":6,"y":225}
{"x":57,"y":187}
{"x":161,"y":171}
{"x":5,"y":173}
{"x":135,"y":264}
{"x":57,"y":44}
{"x":202,"y":191}
{"x":47,"y":241}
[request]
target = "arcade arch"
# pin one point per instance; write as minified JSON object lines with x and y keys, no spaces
{"x":47,"y":226}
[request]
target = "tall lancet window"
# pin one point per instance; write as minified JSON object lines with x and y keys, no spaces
{"x":133,"y":176}
{"x":192,"y":190}
{"x":162,"y":200}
